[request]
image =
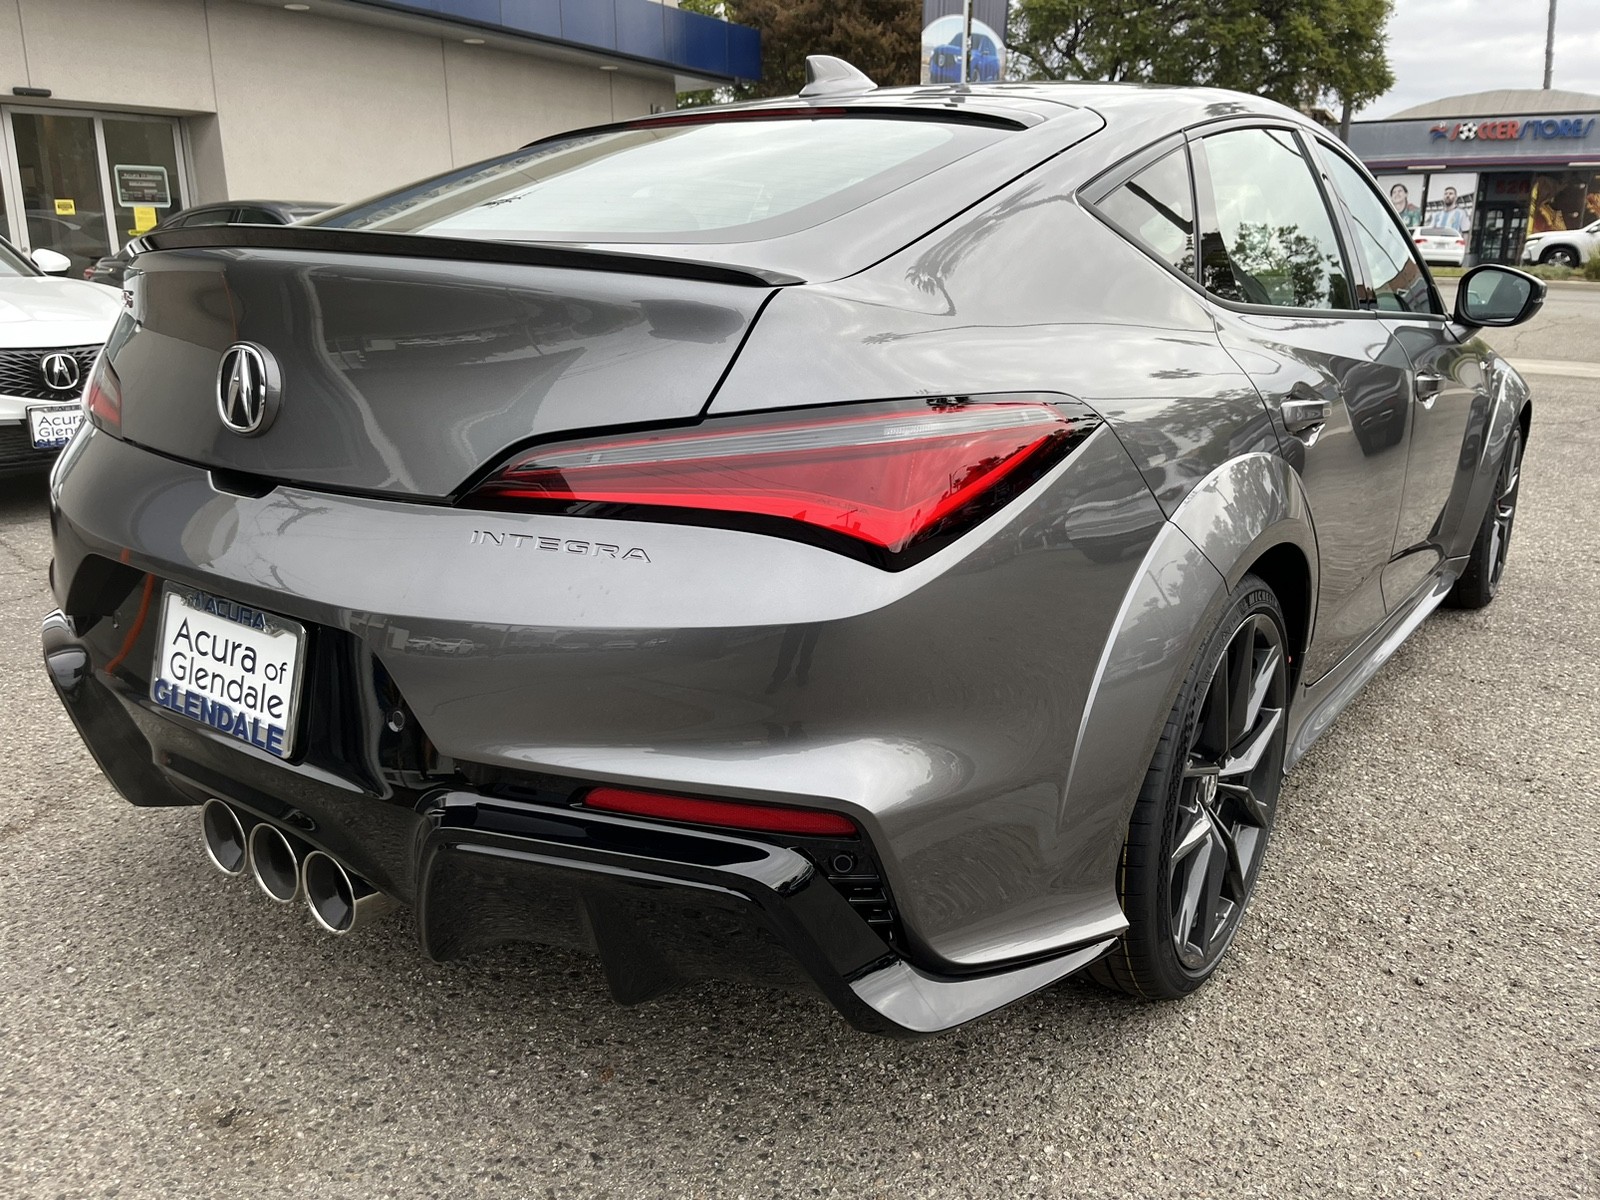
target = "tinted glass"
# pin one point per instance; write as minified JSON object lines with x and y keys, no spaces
{"x":12,"y":264}
{"x":1398,"y":280}
{"x":1437,"y":231}
{"x":258,"y":216}
{"x":205,"y":216}
{"x":712,"y":181}
{"x":1156,"y":207}
{"x":1274,"y":242}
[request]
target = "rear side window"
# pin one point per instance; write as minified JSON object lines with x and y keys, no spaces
{"x":1272,"y":240}
{"x":207,"y":216}
{"x":258,"y":216}
{"x":1398,"y":281}
{"x":727,"y":180}
{"x":1156,"y":208}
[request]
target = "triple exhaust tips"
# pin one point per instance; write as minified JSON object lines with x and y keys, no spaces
{"x":287,"y":869}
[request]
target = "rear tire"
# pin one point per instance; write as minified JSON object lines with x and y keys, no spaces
{"x":1486,"y":564}
{"x":1200,"y":825}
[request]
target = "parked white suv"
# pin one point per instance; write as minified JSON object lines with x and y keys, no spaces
{"x":1563,"y":247}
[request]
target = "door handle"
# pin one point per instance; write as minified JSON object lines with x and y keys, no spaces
{"x":1302,"y":416}
{"x":1428,"y":386}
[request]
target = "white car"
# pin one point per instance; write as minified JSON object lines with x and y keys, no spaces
{"x":50,"y":332}
{"x":1563,"y":247}
{"x":1440,"y":244}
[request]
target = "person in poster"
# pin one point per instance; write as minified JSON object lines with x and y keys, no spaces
{"x":1452,"y":215}
{"x":1400,"y":197}
{"x":1450,"y":203}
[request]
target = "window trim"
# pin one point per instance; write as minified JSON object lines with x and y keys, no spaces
{"x":1096,"y":190}
{"x":1322,"y":146}
{"x":1206,"y":213}
{"x":1125,"y":168}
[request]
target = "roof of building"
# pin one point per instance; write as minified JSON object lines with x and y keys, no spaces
{"x":1505,"y":102}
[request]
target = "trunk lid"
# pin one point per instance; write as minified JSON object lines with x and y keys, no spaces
{"x":407,"y":367}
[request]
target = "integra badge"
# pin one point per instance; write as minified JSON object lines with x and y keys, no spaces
{"x":530,"y":541}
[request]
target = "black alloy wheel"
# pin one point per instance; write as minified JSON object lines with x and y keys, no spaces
{"x":1486,"y":564}
{"x":1560,"y":256}
{"x":1200,"y":826}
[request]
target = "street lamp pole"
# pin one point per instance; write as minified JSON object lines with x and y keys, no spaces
{"x":1550,"y":46}
{"x":966,"y":37}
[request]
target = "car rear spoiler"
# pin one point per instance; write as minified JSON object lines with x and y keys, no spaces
{"x":318,"y":239}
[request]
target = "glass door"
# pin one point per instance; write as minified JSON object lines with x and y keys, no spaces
{"x":63,"y":197}
{"x":84,"y":183}
{"x":141,"y":158}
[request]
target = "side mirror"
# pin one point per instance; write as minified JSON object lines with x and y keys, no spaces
{"x":51,"y":262}
{"x":1493,"y":295}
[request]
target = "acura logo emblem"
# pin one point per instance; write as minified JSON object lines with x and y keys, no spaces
{"x":60,"y":372}
{"x":247,"y":389}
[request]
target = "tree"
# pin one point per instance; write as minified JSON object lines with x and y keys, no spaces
{"x":1298,"y":52}
{"x":881,"y":37}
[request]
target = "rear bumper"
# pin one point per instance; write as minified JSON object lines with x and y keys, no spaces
{"x":659,"y":904}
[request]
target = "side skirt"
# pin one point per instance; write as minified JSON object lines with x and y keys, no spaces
{"x":1320,"y":704}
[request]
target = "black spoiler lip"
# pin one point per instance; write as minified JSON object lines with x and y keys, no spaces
{"x":319,"y":239}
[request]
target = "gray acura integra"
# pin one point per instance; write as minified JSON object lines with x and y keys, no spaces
{"x":886,"y":541}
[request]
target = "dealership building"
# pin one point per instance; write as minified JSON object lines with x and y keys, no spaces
{"x":116,"y":113}
{"x":1495,"y":166}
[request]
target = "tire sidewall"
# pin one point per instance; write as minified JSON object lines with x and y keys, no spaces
{"x":1148,"y":910}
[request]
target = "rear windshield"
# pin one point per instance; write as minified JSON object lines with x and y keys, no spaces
{"x":1437,"y":231}
{"x":712,"y":181}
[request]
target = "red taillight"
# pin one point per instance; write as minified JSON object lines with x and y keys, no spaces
{"x":726,"y":814}
{"x":887,"y":475}
{"x":1461,"y":241}
{"x":102,"y":397}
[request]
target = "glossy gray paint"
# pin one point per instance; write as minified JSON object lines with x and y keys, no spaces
{"x":986,"y":714}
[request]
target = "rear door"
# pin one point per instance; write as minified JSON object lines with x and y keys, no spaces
{"x":1449,"y":400}
{"x":1334,"y":377}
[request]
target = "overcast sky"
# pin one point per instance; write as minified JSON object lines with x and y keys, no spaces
{"x":1447,"y":47}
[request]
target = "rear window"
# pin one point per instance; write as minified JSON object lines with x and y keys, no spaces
{"x":713,"y":181}
{"x":1437,"y":231}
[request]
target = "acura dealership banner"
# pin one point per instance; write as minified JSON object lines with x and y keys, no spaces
{"x":941,"y":41}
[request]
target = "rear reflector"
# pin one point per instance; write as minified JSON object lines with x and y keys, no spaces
{"x":727,"y":814}
{"x":102,"y":397}
{"x":887,"y":475}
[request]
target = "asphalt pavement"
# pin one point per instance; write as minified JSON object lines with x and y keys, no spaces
{"x":1411,"y":1008}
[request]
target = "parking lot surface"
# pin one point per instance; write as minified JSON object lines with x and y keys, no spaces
{"x":1410,"y":1009}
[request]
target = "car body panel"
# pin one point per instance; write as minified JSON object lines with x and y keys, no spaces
{"x":378,"y":352}
{"x":746,"y":666}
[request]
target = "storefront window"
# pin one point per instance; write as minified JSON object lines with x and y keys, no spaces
{"x":58,"y":164}
{"x":84,"y":184}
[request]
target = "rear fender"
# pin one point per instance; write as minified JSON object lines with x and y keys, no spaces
{"x":1510,"y":397}
{"x":1236,"y":514}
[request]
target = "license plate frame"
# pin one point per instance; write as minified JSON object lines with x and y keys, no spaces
{"x":35,"y":418}
{"x":202,"y":691}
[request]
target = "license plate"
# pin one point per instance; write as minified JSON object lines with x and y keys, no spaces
{"x":233,"y":668}
{"x":52,"y":427}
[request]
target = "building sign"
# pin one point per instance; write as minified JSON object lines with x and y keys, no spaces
{"x":941,"y":41}
{"x":1536,"y":129}
{"x":140,"y":185}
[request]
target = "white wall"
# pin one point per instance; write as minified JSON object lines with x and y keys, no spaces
{"x":298,"y":106}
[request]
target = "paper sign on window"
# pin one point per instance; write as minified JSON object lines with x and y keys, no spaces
{"x":142,"y":186}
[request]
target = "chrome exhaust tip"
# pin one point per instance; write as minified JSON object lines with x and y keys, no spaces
{"x":339,"y":901}
{"x":275,"y":862}
{"x":226,"y":837}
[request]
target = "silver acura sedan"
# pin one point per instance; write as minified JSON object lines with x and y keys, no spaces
{"x":891,"y":542}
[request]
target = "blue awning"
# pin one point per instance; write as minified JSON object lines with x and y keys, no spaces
{"x":639,"y":29}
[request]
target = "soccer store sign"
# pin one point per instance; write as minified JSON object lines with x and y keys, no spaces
{"x":1535,"y":129}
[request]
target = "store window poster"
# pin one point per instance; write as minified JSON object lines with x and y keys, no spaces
{"x":1451,"y":199}
{"x":1405,"y":194}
